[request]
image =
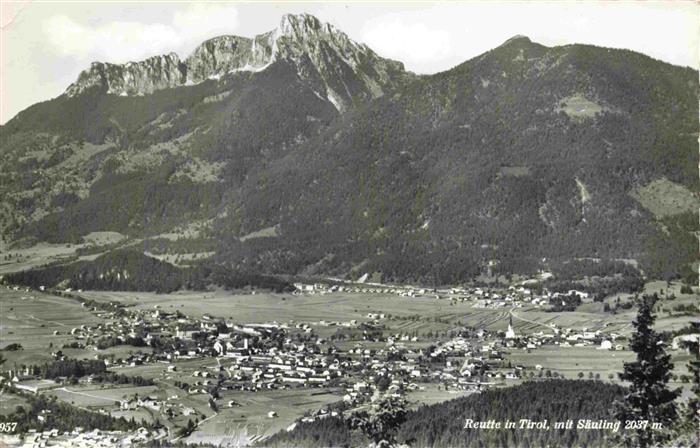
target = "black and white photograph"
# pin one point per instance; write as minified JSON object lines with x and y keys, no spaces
{"x":287,"y":224}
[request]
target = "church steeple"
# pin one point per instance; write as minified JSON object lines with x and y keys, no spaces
{"x":510,"y":334}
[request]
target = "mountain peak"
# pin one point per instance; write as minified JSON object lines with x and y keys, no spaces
{"x":318,"y":51}
{"x":518,"y":38}
{"x":296,"y":24}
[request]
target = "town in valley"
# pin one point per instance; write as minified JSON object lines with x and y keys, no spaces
{"x":208,"y":367}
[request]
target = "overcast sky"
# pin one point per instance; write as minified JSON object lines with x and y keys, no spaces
{"x":45,"y":45}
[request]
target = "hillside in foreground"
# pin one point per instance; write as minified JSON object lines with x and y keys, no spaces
{"x":443,"y":424}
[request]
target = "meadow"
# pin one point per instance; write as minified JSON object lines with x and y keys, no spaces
{"x":31,"y":318}
{"x":433,"y":314}
{"x":98,"y":397}
{"x":249,"y":420}
{"x":9,"y":402}
{"x":20,"y":259}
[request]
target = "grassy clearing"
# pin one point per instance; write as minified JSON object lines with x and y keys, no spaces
{"x":38,"y":255}
{"x":514,"y":171}
{"x":8,"y":403}
{"x":569,"y":361}
{"x":250,"y":419}
{"x":665,"y":198}
{"x":96,"y":397}
{"x":192,"y":230}
{"x":181,"y":259}
{"x":431,"y":395}
{"x":20,"y":259}
{"x":579,"y":107}
{"x":267,"y":232}
{"x":104,"y":238}
{"x":30,"y":319}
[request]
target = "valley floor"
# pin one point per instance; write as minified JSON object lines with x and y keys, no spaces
{"x":244,"y":366}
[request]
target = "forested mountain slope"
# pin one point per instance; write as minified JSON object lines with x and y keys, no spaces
{"x":301,"y":151}
{"x":523,"y":154}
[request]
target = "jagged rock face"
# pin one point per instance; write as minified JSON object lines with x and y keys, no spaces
{"x":225,"y":54}
{"x":341,"y":70}
{"x":347,"y":70}
{"x":155,"y":73}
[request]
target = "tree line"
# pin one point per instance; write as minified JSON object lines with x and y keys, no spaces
{"x":131,"y":270}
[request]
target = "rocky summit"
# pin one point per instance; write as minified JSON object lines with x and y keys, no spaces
{"x":300,"y":151}
{"x":346,"y":69}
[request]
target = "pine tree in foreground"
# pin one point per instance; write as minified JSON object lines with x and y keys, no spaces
{"x":382,"y":421}
{"x":650,"y":402}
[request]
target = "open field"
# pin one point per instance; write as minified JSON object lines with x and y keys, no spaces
{"x":529,"y":320}
{"x":569,"y":361}
{"x":104,"y":238}
{"x":31,"y":318}
{"x":98,"y":243}
{"x":21,"y":259}
{"x":158,"y":370}
{"x":119,"y":351}
{"x":267,"y":307}
{"x":250,"y":420}
{"x":8,"y":403}
{"x":579,"y":107}
{"x":91,"y":396}
{"x":430,"y":394}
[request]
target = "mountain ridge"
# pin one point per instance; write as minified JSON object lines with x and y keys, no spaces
{"x":518,"y":156}
{"x":295,"y":37}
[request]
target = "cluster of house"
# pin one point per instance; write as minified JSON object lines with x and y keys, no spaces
{"x":275,"y":368}
{"x":170,"y":406}
{"x":563,"y":337}
{"x":292,"y":355}
{"x":361,"y":287}
{"x":518,"y":296}
{"x":323,"y":288}
{"x":78,"y":438}
{"x":172,"y":336}
{"x":481,"y":297}
{"x":266,"y":356}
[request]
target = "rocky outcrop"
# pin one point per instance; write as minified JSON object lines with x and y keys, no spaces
{"x":341,"y":70}
{"x":348,"y":71}
{"x":132,"y":78}
{"x":226,"y":54}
